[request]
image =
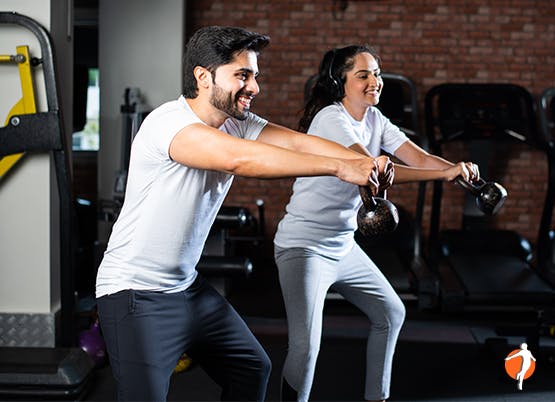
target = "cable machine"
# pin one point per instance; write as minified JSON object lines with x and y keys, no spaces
{"x":63,"y":370}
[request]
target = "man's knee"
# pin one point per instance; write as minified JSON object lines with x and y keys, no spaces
{"x":257,"y":367}
{"x":250,"y":382}
{"x":264,"y":366}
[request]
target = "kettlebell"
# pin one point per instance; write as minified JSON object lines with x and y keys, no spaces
{"x":377,"y":215}
{"x":92,"y":342}
{"x":490,"y":196}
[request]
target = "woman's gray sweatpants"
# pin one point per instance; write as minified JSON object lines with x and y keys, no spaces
{"x":305,"y":277}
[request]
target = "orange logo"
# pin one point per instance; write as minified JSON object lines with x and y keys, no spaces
{"x":520,"y":364}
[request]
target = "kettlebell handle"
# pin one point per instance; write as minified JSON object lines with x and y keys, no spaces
{"x":367,"y":198}
{"x":474,"y":188}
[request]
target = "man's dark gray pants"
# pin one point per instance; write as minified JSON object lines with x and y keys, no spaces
{"x":147,"y":332}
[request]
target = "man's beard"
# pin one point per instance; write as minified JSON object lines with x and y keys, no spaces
{"x":224,"y":102}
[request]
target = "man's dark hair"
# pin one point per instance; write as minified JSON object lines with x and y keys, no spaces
{"x":213,"y":46}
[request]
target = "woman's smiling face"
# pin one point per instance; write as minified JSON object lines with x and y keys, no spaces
{"x":363,"y":84}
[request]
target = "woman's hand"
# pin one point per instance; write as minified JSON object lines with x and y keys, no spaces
{"x":467,"y":170}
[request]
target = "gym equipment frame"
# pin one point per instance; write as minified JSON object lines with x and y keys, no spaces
{"x":63,"y":370}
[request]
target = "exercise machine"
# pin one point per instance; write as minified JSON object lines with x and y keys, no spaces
{"x":546,"y":240}
{"x":546,"y":237}
{"x":221,"y":260}
{"x":63,"y":370}
{"x":481,"y":266}
{"x":133,"y":112}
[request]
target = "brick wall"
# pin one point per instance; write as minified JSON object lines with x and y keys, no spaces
{"x":427,"y":40}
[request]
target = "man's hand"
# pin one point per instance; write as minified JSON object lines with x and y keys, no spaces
{"x":361,"y":171}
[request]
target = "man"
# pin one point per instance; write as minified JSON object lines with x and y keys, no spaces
{"x":153,"y":305}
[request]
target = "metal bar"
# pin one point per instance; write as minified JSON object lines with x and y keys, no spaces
{"x":47,"y":54}
{"x":12,"y":58}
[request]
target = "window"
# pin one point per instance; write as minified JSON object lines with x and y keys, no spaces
{"x":88,"y":139}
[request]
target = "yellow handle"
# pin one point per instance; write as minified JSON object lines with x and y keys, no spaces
{"x":26,"y":105}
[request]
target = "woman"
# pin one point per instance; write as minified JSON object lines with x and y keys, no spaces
{"x":314,"y":243}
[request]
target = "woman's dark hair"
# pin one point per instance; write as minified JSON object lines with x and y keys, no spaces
{"x":213,"y":46}
{"x":329,"y":83}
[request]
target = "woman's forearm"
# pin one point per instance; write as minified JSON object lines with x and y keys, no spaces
{"x":405,"y":174}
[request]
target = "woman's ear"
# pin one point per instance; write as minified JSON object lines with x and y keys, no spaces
{"x":203,"y":76}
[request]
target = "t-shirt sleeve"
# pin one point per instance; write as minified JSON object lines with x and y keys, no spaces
{"x":333,"y":125}
{"x":392,"y":136}
{"x":159,"y":129}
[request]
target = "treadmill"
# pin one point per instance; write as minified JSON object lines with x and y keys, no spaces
{"x":480,"y":265}
{"x":546,"y":241}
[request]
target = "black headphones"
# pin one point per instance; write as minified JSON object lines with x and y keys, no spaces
{"x":335,"y":88}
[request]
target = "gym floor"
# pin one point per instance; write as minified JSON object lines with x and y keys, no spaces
{"x":440,"y":357}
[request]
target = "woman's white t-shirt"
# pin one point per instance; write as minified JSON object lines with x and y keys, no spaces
{"x":169,"y":208}
{"x":321,"y":214}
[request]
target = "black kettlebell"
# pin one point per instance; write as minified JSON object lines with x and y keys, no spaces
{"x":377,"y":215}
{"x":490,"y":196}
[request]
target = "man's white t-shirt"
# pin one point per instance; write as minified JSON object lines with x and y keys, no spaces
{"x":321,"y":214}
{"x":169,"y":208}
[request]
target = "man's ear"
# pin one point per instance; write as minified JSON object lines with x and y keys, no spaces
{"x":203,"y":76}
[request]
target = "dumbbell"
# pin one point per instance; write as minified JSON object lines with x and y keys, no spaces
{"x":377,"y":215}
{"x":490,"y":196}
